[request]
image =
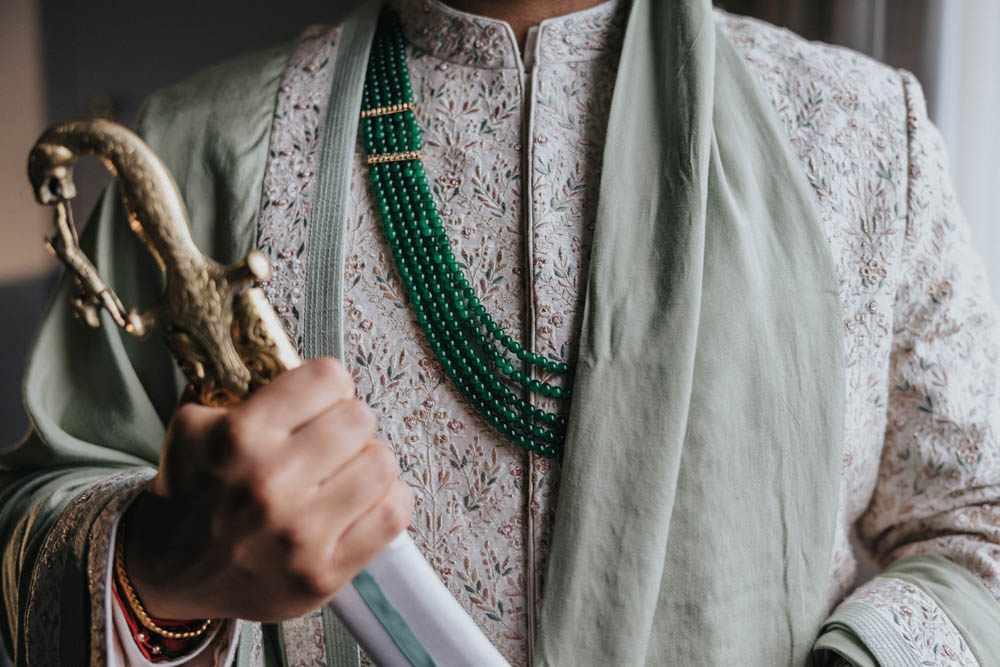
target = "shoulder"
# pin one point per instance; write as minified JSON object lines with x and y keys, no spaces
{"x":786,"y":64}
{"x":227,"y":98}
{"x":848,"y":117}
{"x":213,"y":132}
{"x":823,"y":93}
{"x":850,"y":121}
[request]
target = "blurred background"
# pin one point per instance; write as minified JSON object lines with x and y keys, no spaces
{"x":62,"y":59}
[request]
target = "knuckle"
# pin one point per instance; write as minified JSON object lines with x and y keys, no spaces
{"x":242,"y":556}
{"x":312,"y":580}
{"x":331,"y":371}
{"x":236,"y":436}
{"x":187,"y":425}
{"x":293,"y":537}
{"x":260,"y":491}
{"x":383,"y":465}
{"x":360,"y":416}
{"x":395,"y":511}
{"x":187,"y":415}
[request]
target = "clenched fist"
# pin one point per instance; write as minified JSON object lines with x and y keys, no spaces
{"x":265,"y":510}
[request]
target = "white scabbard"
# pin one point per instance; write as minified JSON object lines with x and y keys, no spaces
{"x":402,"y":615}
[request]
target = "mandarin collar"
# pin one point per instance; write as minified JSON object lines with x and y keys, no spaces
{"x":478,"y":41}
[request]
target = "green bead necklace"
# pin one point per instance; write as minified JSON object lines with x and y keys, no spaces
{"x":475,"y":353}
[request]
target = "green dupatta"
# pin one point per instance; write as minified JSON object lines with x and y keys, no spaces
{"x":699,"y":492}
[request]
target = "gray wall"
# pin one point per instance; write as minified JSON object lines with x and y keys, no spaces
{"x":106,"y":56}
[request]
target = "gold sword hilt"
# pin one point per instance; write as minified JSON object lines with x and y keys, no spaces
{"x":218,"y":326}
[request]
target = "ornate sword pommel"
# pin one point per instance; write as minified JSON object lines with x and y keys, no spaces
{"x":50,"y":169}
{"x":219,"y":328}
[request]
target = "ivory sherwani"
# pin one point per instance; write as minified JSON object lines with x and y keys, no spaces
{"x":513,"y":152}
{"x":513,"y":148}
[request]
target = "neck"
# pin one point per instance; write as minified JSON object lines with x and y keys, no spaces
{"x":522,"y":14}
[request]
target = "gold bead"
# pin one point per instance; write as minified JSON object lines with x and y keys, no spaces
{"x":404,"y":156}
{"x":138,"y":610}
{"x":386,"y":110}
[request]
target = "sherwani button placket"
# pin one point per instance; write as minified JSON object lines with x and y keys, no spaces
{"x":526,"y":67}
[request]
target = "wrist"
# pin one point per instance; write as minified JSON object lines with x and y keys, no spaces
{"x":151,"y":536}
{"x":153,"y":646}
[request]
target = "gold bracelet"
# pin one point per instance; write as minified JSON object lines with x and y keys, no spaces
{"x":136,"y":605}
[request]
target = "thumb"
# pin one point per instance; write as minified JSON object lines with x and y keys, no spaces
{"x":190,"y":438}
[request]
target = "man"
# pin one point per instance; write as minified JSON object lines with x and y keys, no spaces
{"x":649,"y":192}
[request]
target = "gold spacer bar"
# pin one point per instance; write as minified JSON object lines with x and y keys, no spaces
{"x":385,"y":111}
{"x":405,"y":156}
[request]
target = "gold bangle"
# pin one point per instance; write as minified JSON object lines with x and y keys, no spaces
{"x":136,"y":605}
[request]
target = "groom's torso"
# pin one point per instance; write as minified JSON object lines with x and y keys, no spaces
{"x":513,"y":150}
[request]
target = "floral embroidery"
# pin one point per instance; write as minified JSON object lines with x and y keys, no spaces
{"x":921,"y":458}
{"x":920,"y":622}
{"x":450,"y":35}
{"x":305,"y":643}
{"x":582,"y":36}
{"x":571,"y":100}
{"x":473,"y":489}
{"x":940,"y":470}
{"x":74,"y":535}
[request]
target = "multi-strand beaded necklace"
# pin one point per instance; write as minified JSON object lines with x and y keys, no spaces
{"x":476,"y":354}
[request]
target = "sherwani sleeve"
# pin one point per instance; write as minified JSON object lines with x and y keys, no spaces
{"x":934,"y":518}
{"x":98,"y":402}
{"x":99,"y":399}
{"x":218,"y":649}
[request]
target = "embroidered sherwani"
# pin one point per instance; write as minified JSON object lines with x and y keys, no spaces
{"x":513,"y":147}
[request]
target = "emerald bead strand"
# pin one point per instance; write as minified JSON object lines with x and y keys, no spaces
{"x":473,"y":350}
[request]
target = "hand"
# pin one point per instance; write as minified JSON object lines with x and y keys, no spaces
{"x":263,"y":511}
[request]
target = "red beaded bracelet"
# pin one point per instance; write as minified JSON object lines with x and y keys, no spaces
{"x":154,"y":647}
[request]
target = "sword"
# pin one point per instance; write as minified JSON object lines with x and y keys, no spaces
{"x":228,"y":341}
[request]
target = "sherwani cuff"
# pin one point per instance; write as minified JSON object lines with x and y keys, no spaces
{"x":871,"y":631}
{"x":922,"y":610}
{"x":839,"y":646}
{"x":218,"y":649}
{"x":68,"y":593}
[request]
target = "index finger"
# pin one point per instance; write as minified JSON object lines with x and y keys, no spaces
{"x":298,"y":396}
